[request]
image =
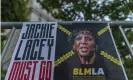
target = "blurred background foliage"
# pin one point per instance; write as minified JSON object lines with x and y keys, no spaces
{"x":79,"y":10}
{"x":88,"y":9}
{"x":12,"y":10}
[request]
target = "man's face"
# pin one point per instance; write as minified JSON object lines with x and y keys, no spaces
{"x":84,"y":44}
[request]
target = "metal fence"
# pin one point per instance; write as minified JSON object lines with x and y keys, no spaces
{"x":18,"y":25}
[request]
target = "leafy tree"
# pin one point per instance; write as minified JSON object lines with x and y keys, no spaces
{"x":13,"y":10}
{"x":123,"y":50}
{"x":96,"y":10}
{"x":88,"y":9}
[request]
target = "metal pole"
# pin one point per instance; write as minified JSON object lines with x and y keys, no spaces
{"x":18,"y":25}
{"x":9,"y":25}
{"x":125,"y":38}
{"x":7,"y":44}
{"x":117,"y":52}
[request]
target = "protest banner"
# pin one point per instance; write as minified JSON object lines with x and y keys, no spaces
{"x":33,"y":57}
{"x":65,"y":51}
{"x":86,"y":51}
